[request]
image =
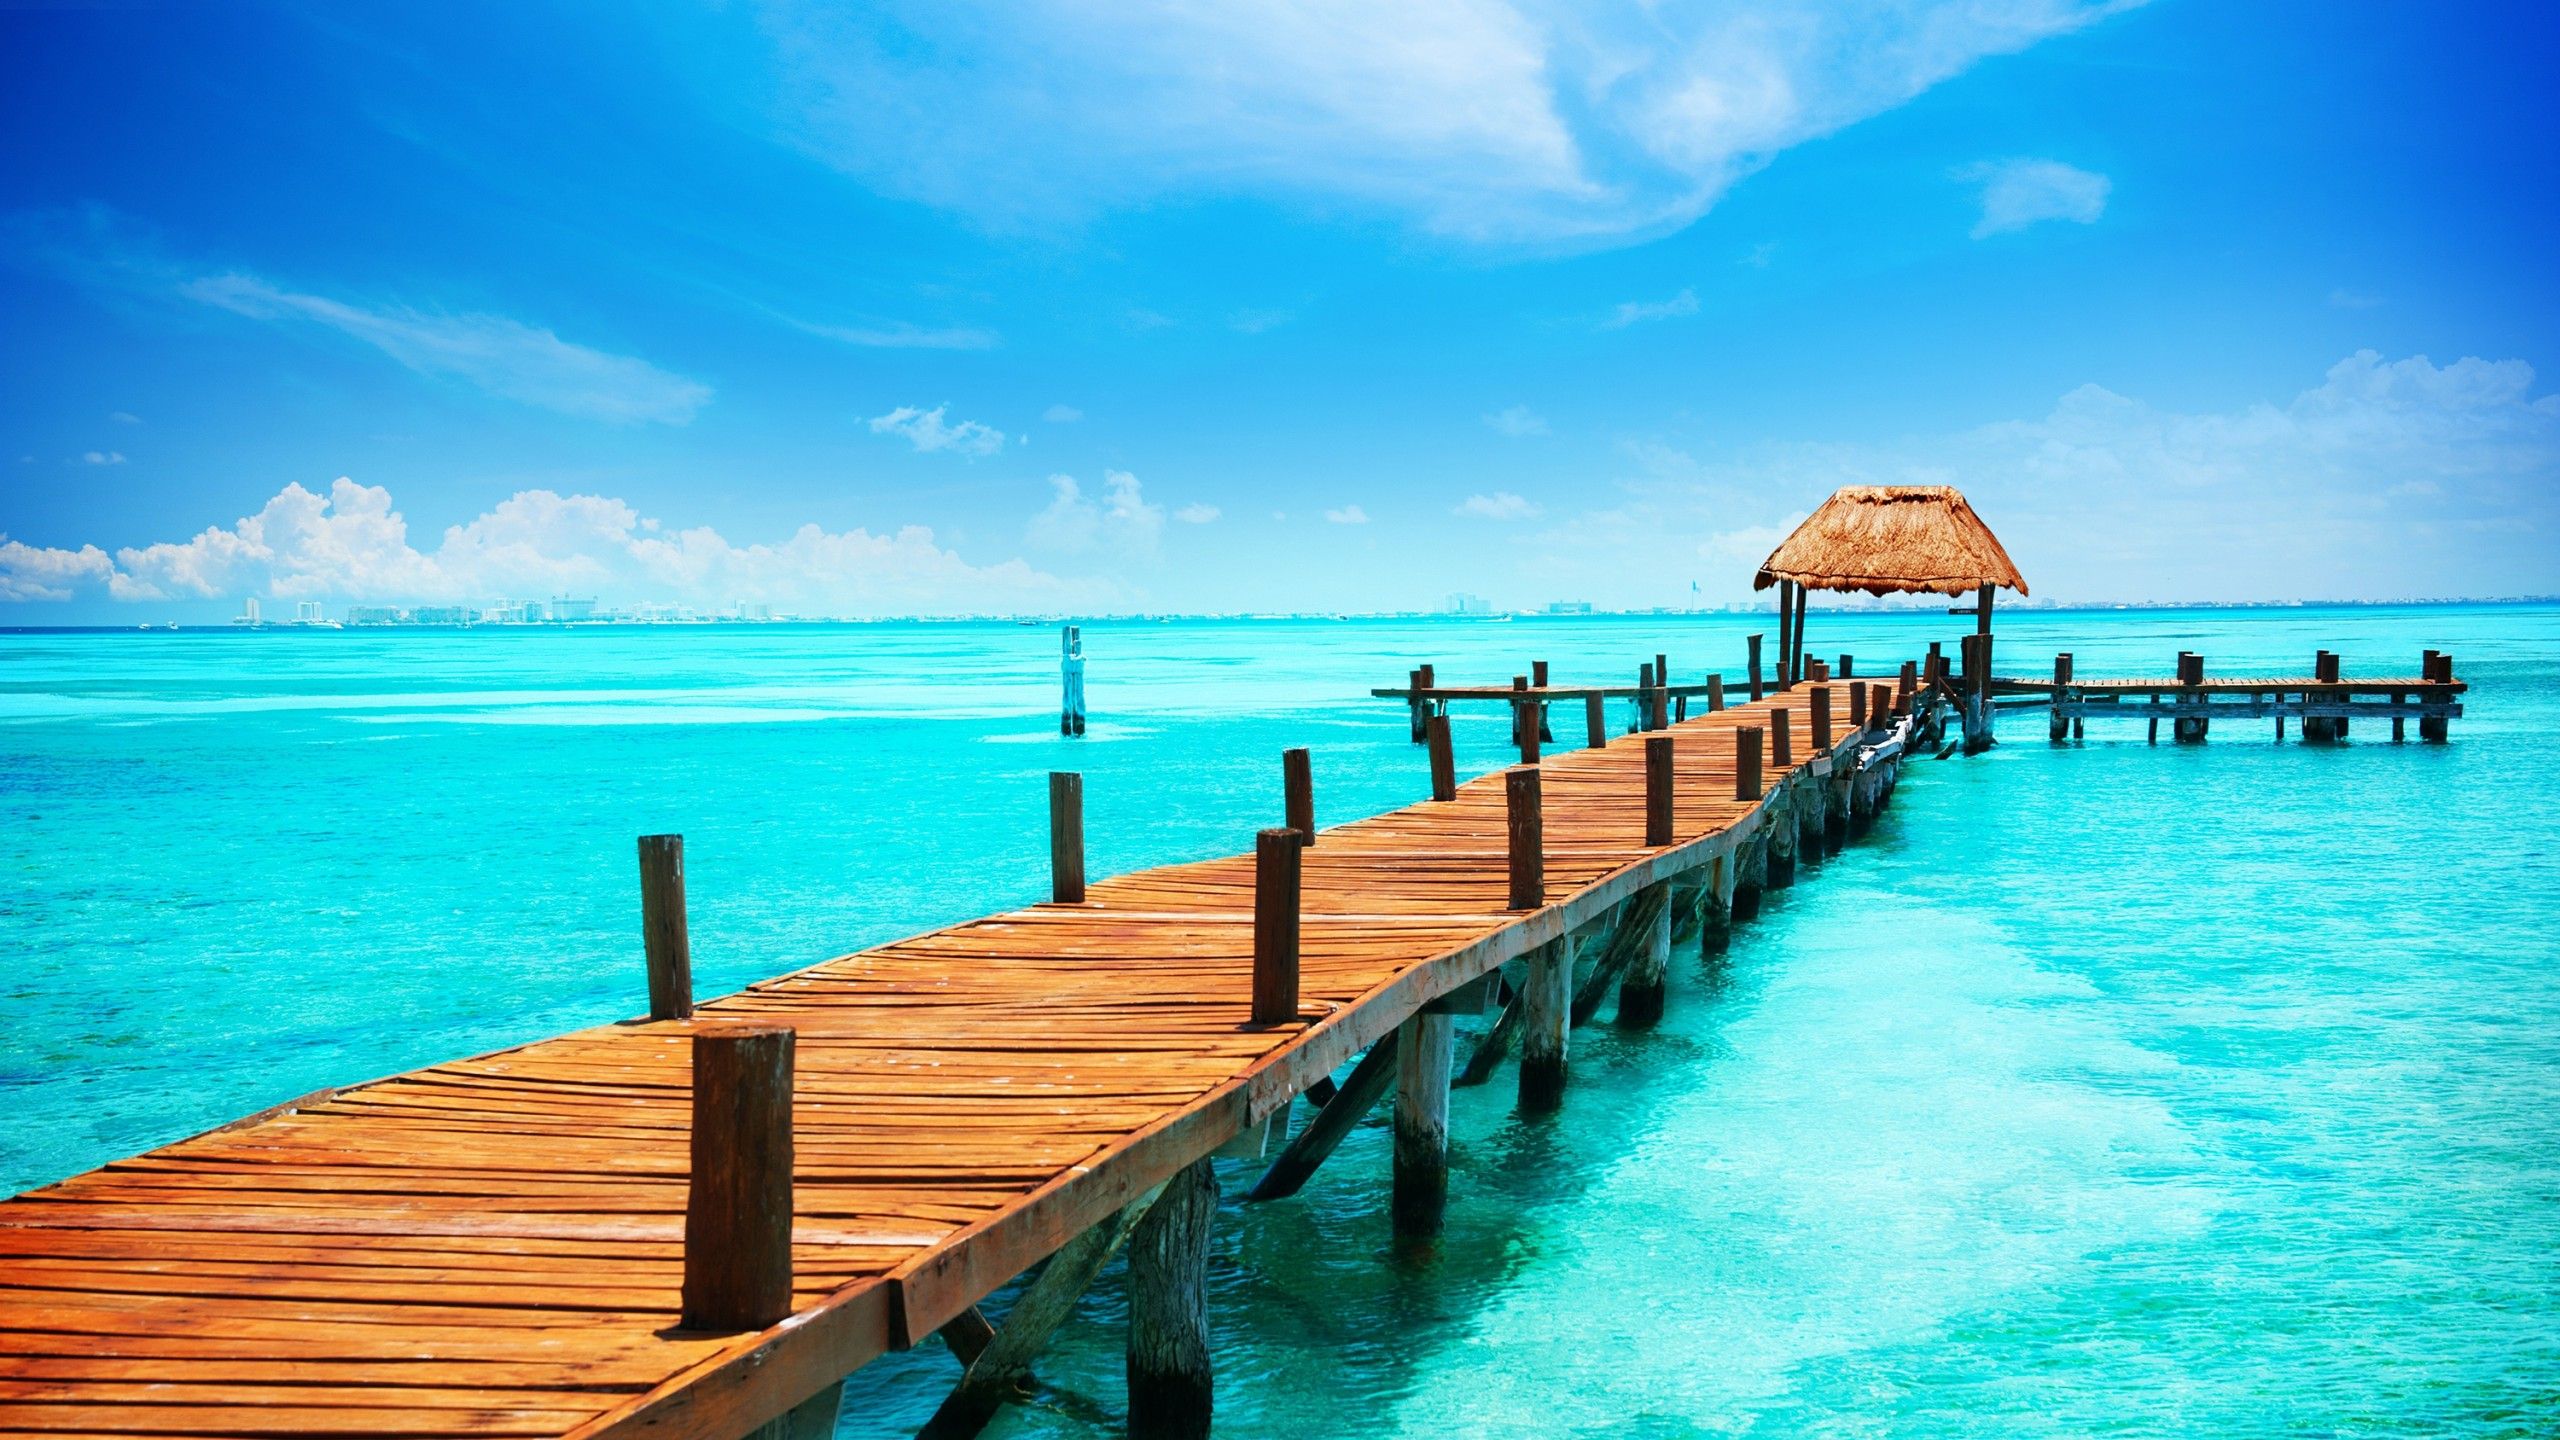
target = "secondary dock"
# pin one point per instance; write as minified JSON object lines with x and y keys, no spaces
{"x":499,"y":1245}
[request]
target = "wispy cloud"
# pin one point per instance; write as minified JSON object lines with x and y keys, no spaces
{"x":1196,"y":513}
{"x":927,"y":431}
{"x":1637,"y":312}
{"x":352,"y":544}
{"x":1500,"y":505}
{"x":1120,"y":522}
{"x":1348,"y":515}
{"x":2353,"y":300}
{"x":900,"y":335}
{"x":1517,"y":421}
{"x":1062,"y":414}
{"x":1491,"y":120}
{"x":502,"y":356}
{"x":2020,"y":193}
{"x":124,"y":417}
{"x":102,"y":457}
{"x":1254,"y":322}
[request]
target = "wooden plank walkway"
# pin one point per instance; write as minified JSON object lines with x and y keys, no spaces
{"x":492,"y":1246}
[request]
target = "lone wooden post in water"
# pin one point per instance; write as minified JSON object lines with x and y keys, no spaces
{"x":1658,"y":790}
{"x":2058,"y":726}
{"x":1298,"y":794}
{"x":737,"y":1211}
{"x":1526,"y":833}
{"x":1426,"y":1046}
{"x":1066,"y":837}
{"x":1444,"y":764}
{"x":2190,"y":729}
{"x":1746,"y":762}
{"x":1275,"y":925}
{"x":2432,"y":728}
{"x":664,"y":939}
{"x":1070,"y":680}
{"x":1170,"y":1391}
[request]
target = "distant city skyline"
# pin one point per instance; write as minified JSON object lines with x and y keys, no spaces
{"x":1263,"y":308}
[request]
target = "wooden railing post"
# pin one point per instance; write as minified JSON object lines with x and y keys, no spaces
{"x":1298,"y":794}
{"x":1066,"y":837}
{"x":1644,"y":697}
{"x":1821,"y":717}
{"x":1524,"y":720}
{"x":1746,"y":762}
{"x":664,"y":938}
{"x":1525,"y":831}
{"x":1715,"y":692}
{"x":737,"y":1214}
{"x":1658,"y":790}
{"x":1757,"y":690}
{"x":1538,"y":682}
{"x":1847,"y":670}
{"x":1782,"y":750}
{"x":1857,"y":707}
{"x":1276,"y":882}
{"x":1908,"y":685}
{"x":1879,"y":706}
{"x":1444,"y":763}
{"x":1595,"y":720}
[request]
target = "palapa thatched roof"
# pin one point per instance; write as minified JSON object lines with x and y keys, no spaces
{"x":1886,"y":539}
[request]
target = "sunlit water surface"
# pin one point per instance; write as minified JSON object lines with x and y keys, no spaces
{"x":2106,"y":1088}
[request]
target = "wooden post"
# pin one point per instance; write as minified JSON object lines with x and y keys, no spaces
{"x":1848,"y":668}
{"x":1746,"y":762}
{"x":1066,"y":837}
{"x":1658,"y":783}
{"x":1816,"y":670}
{"x":1547,"y":1020}
{"x":1524,"y":720}
{"x":1426,"y":1048}
{"x":665,"y":942}
{"x":1170,"y":1394}
{"x":1782,"y":750}
{"x":1879,"y":706}
{"x":1644,"y":697}
{"x":1526,"y":832}
{"x":1070,"y":680}
{"x":1538,"y":680}
{"x":1821,"y":698}
{"x":1298,"y":794}
{"x":737,"y":1210}
{"x":1417,"y":710}
{"x":1595,"y":720}
{"x":1795,"y":647}
{"x":1444,"y":762}
{"x":1661,"y":668}
{"x":1660,"y":716}
{"x":2324,"y":668}
{"x":1786,"y":630}
{"x":1715,"y":692}
{"x":1857,"y":707}
{"x":1756,"y":689}
{"x":1275,"y":925}
{"x":1641,"y":994}
{"x":1907,"y":685}
{"x":2189,"y":730}
{"x":2435,"y":729}
{"x":2059,"y":728}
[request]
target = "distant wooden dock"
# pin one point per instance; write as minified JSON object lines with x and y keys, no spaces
{"x":508,"y":1244}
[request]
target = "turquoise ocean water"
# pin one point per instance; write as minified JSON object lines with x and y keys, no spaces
{"x":2105,"y":1089}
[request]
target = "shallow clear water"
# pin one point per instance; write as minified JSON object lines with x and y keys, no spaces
{"x":2106,"y":1088}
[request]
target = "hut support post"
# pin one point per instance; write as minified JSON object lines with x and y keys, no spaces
{"x":1795,"y":644}
{"x":1169,"y":1384}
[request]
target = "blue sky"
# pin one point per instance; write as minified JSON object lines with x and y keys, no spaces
{"x":954,"y":308}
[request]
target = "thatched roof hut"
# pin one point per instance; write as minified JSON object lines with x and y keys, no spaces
{"x":1889,"y":539}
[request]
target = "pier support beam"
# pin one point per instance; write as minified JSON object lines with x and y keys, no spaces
{"x":1546,"y":1017}
{"x":1426,"y":1046}
{"x":1641,"y":994}
{"x":1169,"y":1383}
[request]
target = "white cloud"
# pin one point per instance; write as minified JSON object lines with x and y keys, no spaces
{"x":2353,"y":300}
{"x":1500,"y":505}
{"x":352,"y":545}
{"x":1196,"y":513}
{"x":102,"y":457}
{"x":1637,"y":312}
{"x":124,"y":417}
{"x":2020,"y":193}
{"x":1254,"y":322}
{"x":1122,"y":522}
{"x":927,"y":431}
{"x":1348,"y":515}
{"x":901,"y":335}
{"x":502,"y":356}
{"x":1502,"y":120}
{"x":1518,"y":421}
{"x":1062,"y":414}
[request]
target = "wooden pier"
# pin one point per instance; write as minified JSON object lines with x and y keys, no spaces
{"x":2325,"y":702}
{"x":696,"y":1225}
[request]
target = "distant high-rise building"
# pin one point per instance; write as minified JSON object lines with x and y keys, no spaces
{"x":248,"y":613}
{"x":307,"y":612}
{"x":1463,"y":603}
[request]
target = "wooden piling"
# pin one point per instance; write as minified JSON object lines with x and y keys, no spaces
{"x":1879,"y":706}
{"x":1425,"y":1049}
{"x":1417,"y":709}
{"x":1546,"y":1023}
{"x":1066,"y":837}
{"x":2059,"y":728}
{"x":1526,"y":833}
{"x":1538,"y":681}
{"x":1444,"y":761}
{"x":1821,"y":718}
{"x":1071,"y":680}
{"x":1857,"y":707}
{"x":1786,"y":630}
{"x":1642,"y":993}
{"x":1782,"y":750}
{"x":2434,"y":729}
{"x":1276,"y":874}
{"x":2190,"y":729}
{"x":737,"y":1213}
{"x":1795,"y":645}
{"x":1815,"y":671}
{"x":1524,"y":720}
{"x":1658,"y":789}
{"x":1298,"y":794}
{"x":1746,"y":762}
{"x":665,"y":941}
{"x":1906,"y":685}
{"x":1757,"y":691}
{"x":1715,"y":693}
{"x":1644,"y":697}
{"x":1848,"y":668}
{"x":1595,"y":721}
{"x":1170,"y":1391}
